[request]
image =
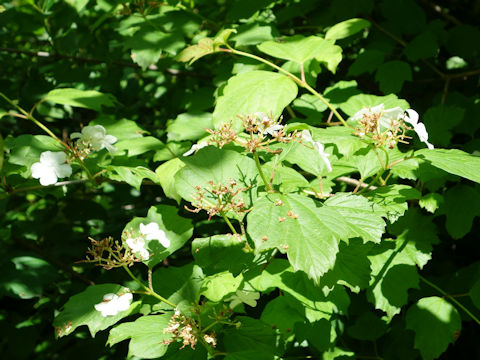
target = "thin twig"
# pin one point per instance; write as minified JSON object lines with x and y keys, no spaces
{"x":355,"y":182}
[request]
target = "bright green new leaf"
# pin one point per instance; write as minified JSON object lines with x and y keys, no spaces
{"x":219,"y":285}
{"x":346,"y":28}
{"x":195,"y":52}
{"x":132,"y":175}
{"x":436,"y":323}
{"x":89,"y":99}
{"x":361,"y":219}
{"x":146,"y":334}
{"x":299,"y":49}
{"x":253,"y":33}
{"x":431,"y":202}
{"x":166,"y":176}
{"x":294,"y":225}
{"x":80,"y":310}
{"x":176,"y":228}
{"x":253,"y":91}
{"x":454,"y":161}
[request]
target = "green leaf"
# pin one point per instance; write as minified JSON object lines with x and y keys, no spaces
{"x":132,"y":175}
{"x":146,"y":334}
{"x":454,"y":161}
{"x":299,"y":49}
{"x":148,"y":43}
{"x":391,"y":201}
{"x":2,"y":143}
{"x":220,"y":166}
{"x":436,"y":323}
{"x":221,"y":252}
{"x":440,"y":120}
{"x":366,"y":62}
{"x":253,"y":339}
{"x":122,"y":129}
{"x":295,"y":225}
{"x":391,"y":76}
{"x":393,"y":273}
{"x":219,"y":285}
{"x":461,"y":205}
{"x":307,"y":158}
{"x":166,"y":177}
{"x":282,"y":314}
{"x":26,"y":277}
{"x":189,"y":126}
{"x":287,"y":179}
{"x":177,"y":229}
{"x":139,"y":145}
{"x":89,"y":99}
{"x":475,"y":294}
{"x":318,"y":334}
{"x":423,"y":46}
{"x":253,"y":91}
{"x":194,"y":52}
{"x":80,"y":310}
{"x":346,"y":28}
{"x":253,"y":33}
{"x":180,"y":285}
{"x":361,"y":219}
{"x":431,"y":202}
{"x":357,"y":102}
{"x":367,"y":326}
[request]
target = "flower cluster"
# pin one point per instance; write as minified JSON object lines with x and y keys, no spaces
{"x":112,"y":304}
{"x":386,"y":127}
{"x":219,"y":199}
{"x":184,"y":329}
{"x":306,"y":137}
{"x":55,"y":165}
{"x":151,"y":231}
{"x":109,"y":254}
{"x":94,"y":138}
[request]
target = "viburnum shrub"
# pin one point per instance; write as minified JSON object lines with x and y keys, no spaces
{"x":285,"y":214}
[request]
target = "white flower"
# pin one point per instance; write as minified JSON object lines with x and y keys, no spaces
{"x":153,"y":232}
{"x":112,"y":304}
{"x":419,"y":128}
{"x":241,"y":296}
{"x":318,"y":146}
{"x":51,"y":167}
{"x":138,"y":245}
{"x":273,"y":130}
{"x":95,"y":137}
{"x":195,"y":148}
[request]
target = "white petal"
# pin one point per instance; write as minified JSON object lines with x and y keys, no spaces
{"x":64,"y":170}
{"x":412,"y":117}
{"x":48,"y":178}
{"x":149,"y":228}
{"x":274,"y":129}
{"x":37,"y":170}
{"x":75,"y":135}
{"x":164,"y":241}
{"x":144,"y":254}
{"x":60,"y":157}
{"x":123,"y":301}
{"x":306,"y":136}
{"x":110,"y":139}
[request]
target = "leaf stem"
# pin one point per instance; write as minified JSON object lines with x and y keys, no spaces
{"x":149,"y":291}
{"x":373,"y":182}
{"x":260,"y":171}
{"x":228,"y":223}
{"x":441,"y":291}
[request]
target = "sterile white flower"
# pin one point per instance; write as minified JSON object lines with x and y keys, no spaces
{"x":419,"y":128}
{"x":51,"y":167}
{"x":95,"y":137}
{"x":138,"y":245}
{"x":112,"y":304}
{"x":318,"y":146}
{"x":153,"y":232}
{"x":195,"y":148}
{"x":274,"y":129}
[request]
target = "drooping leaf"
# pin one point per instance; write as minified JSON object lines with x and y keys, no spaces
{"x":454,"y":161}
{"x":146,"y":336}
{"x":166,"y":176}
{"x":132,"y":175}
{"x":80,"y":310}
{"x":89,"y":99}
{"x":176,"y":228}
{"x":253,"y":91}
{"x":299,"y":49}
{"x":436,"y":323}
{"x":346,"y":28}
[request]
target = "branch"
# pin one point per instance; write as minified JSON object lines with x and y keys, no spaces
{"x":355,"y":182}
